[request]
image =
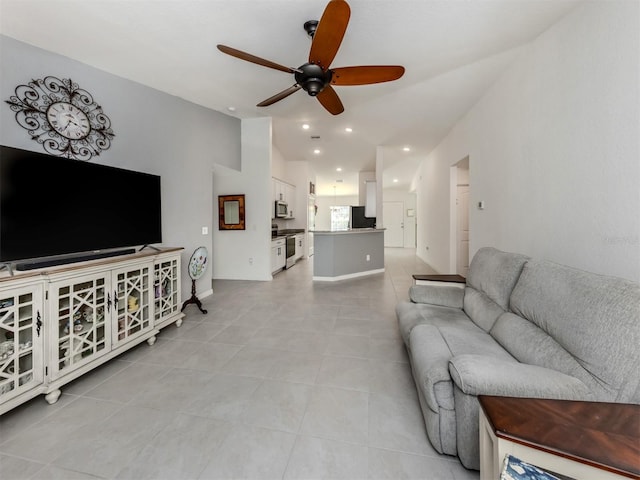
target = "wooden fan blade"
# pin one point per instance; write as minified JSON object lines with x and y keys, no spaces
{"x":329,"y":33}
{"x":253,"y":59}
{"x":366,"y":75}
{"x":330,"y":100}
{"x":279,"y":96}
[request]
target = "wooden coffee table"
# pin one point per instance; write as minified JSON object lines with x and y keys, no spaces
{"x":583,"y":440}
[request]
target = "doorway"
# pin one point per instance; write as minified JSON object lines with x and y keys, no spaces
{"x":393,"y":215}
{"x":462,"y":230}
{"x":459,"y":226}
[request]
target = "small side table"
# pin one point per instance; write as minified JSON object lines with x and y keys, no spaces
{"x":583,"y":440}
{"x":428,"y":279}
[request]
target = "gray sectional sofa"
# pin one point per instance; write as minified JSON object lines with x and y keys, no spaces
{"x":519,"y":327}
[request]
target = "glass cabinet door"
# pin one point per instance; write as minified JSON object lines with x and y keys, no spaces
{"x":81,"y":309}
{"x":132,"y":287}
{"x":21,"y":334}
{"x":165,"y":285}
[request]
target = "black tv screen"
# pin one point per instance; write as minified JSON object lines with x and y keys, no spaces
{"x":55,"y":206}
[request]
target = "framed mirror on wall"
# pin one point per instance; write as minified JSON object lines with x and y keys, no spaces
{"x":231,"y":212}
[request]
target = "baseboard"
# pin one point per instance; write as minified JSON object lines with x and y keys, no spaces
{"x":348,"y":276}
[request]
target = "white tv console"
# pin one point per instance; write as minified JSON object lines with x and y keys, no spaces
{"x":58,"y":323}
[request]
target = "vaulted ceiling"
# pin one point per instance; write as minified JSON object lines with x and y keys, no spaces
{"x":452,"y":50}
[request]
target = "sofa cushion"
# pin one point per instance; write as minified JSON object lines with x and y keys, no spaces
{"x":495,"y":273}
{"x":411,"y":314}
{"x":593,"y":317}
{"x":487,"y":375}
{"x":481,"y":309}
{"x":529,"y":344}
{"x":431,"y":349}
{"x":443,"y":295}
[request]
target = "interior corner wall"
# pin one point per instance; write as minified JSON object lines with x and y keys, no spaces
{"x":553,"y":149}
{"x":246,"y":254}
{"x":155,"y":133}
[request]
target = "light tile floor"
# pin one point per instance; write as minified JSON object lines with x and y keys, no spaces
{"x":288,"y":379}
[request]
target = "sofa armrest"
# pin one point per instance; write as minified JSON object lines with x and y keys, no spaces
{"x":442,"y":295}
{"x":483,"y":375}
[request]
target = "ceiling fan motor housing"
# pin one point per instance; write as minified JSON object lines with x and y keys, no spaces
{"x":312,"y":78}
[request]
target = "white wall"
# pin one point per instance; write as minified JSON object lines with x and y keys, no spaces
{"x":155,"y":133}
{"x":246,"y":254}
{"x":299,"y":173}
{"x":278,"y":164}
{"x":553,"y":149}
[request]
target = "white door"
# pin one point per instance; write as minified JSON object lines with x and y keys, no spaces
{"x":393,"y":215}
{"x":463,"y":230}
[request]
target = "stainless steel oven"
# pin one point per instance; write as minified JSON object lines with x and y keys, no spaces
{"x":291,"y":251}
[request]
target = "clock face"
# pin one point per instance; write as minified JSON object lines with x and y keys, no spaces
{"x":68,"y":120}
{"x":62,"y":117}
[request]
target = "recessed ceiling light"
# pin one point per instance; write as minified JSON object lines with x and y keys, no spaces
{"x":395,"y":180}
{"x":339,"y":169}
{"x":316,"y":151}
{"x":231,"y":109}
{"x":305,"y":126}
{"x":348,"y":129}
{"x":406,"y":149}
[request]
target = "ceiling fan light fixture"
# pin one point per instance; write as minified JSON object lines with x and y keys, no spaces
{"x":313,"y":86}
{"x":315,"y":77}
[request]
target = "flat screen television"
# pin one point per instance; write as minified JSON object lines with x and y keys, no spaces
{"x":52,"y":206}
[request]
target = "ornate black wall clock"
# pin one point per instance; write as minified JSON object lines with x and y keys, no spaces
{"x":62,"y":117}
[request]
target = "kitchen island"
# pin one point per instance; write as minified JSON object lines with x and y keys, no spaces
{"x":343,"y":254}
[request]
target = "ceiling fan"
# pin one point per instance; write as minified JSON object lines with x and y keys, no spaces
{"x":315,"y":77}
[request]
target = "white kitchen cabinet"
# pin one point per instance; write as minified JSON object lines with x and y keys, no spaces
{"x":284,"y":192}
{"x":58,"y":323}
{"x":278,"y":254}
{"x":21,"y":342}
{"x":290,"y":195}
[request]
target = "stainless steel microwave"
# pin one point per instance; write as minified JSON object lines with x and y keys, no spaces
{"x":281,"y":209}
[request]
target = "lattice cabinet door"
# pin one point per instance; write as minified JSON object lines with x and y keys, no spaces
{"x":166,"y":288}
{"x":132,"y":293}
{"x":80,"y":310}
{"x":21,"y":340}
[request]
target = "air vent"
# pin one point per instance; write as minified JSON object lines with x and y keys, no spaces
{"x":315,"y":137}
{"x":339,"y":181}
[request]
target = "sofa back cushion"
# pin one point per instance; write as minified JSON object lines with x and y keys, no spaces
{"x":492,"y":274}
{"x":595,"y":318}
{"x":529,"y":344}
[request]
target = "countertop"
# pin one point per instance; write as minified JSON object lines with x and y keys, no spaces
{"x":287,"y":233}
{"x":347,"y":232}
